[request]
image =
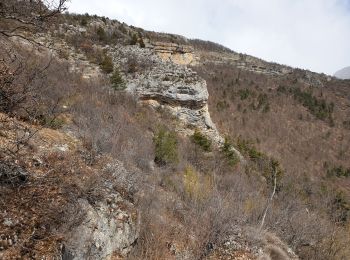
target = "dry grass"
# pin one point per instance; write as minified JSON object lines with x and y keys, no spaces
{"x":281,"y":127}
{"x":190,"y":207}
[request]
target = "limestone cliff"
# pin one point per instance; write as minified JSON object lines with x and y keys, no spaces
{"x":167,"y":85}
{"x":177,"y":53}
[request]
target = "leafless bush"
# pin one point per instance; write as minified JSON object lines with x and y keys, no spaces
{"x":304,"y":199}
{"x":27,"y":16}
{"x":112,"y":122}
{"x":22,"y":74}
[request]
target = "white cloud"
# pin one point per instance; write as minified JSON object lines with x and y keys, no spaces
{"x":312,"y":34}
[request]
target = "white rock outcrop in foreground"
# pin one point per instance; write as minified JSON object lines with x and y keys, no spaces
{"x":109,"y":226}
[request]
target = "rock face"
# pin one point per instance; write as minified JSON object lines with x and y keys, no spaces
{"x":343,"y":73}
{"x":170,"y":86}
{"x":250,"y":245}
{"x":161,"y":79}
{"x":178,"y":54}
{"x":179,"y":87}
{"x":246,"y":62}
{"x":108,"y":228}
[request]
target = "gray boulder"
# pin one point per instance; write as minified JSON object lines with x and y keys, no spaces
{"x":108,"y":222}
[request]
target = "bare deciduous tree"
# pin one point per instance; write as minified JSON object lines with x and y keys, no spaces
{"x":21,"y":74}
{"x":21,"y":16}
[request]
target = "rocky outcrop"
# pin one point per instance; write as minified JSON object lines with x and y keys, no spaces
{"x":160,"y":80}
{"x":157,"y":81}
{"x":246,"y":62}
{"x":175,"y":88}
{"x":171,"y":87}
{"x":176,"y":53}
{"x":109,"y":227}
{"x":88,"y":213}
{"x":249,"y":244}
{"x":179,"y":87}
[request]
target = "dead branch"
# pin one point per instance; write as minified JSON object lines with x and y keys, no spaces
{"x":269,"y":201}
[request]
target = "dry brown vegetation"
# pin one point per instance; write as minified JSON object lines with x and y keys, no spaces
{"x":284,"y":118}
{"x":193,"y":202}
{"x":198,"y":190}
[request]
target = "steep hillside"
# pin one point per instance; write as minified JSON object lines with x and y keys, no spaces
{"x":303,"y":125}
{"x":120,"y":143}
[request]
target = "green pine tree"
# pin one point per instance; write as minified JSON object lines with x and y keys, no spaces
{"x":117,"y":80}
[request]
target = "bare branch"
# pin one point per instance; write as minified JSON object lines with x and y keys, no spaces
{"x":269,"y":201}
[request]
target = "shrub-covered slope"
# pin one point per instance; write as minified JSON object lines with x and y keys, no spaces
{"x":111,"y":148}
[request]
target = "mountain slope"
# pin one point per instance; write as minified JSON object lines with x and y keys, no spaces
{"x":172,"y":149}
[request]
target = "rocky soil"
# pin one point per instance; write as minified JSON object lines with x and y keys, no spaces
{"x":99,"y":221}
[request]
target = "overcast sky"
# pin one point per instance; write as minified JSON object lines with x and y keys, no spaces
{"x":311,"y":34}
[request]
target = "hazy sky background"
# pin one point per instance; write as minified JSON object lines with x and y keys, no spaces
{"x":310,"y":34}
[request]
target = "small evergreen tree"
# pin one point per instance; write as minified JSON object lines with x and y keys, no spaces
{"x":117,"y":80}
{"x":201,"y":140}
{"x":228,"y":150}
{"x":165,"y":147}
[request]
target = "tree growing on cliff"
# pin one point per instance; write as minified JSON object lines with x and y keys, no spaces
{"x":228,"y":151}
